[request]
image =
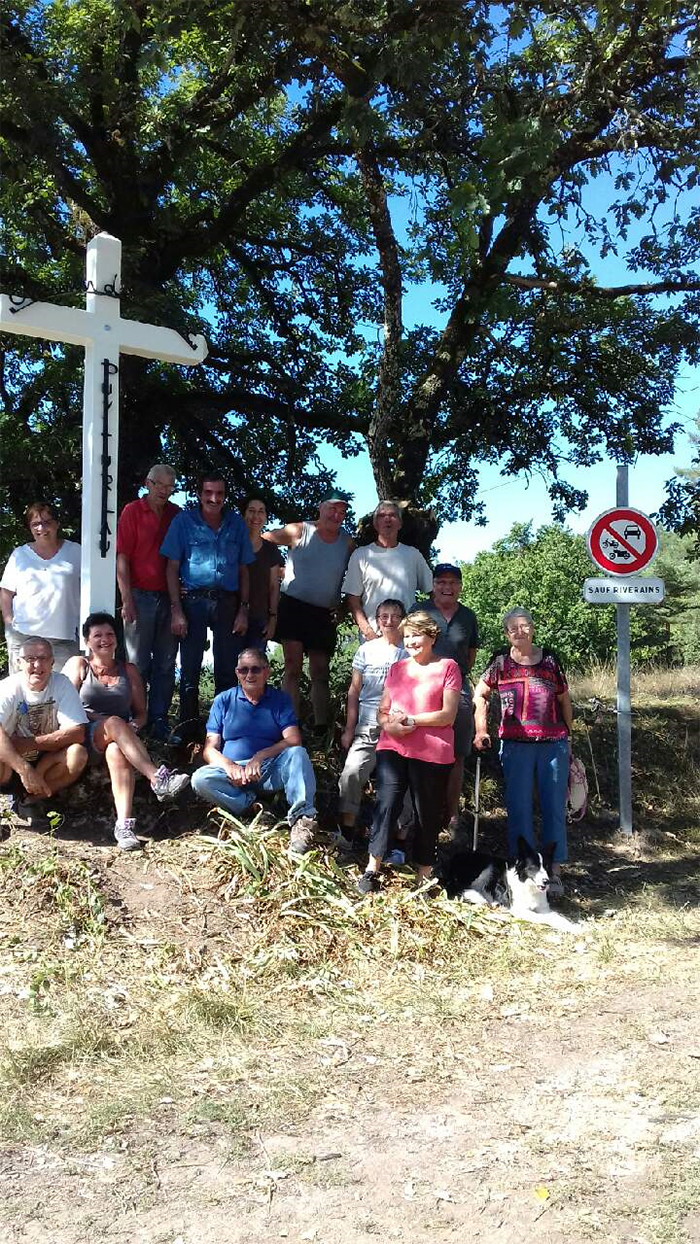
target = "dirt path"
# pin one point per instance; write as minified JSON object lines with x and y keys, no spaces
{"x":578,"y":1124}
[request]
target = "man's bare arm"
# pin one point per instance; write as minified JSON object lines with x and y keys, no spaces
{"x":284,"y":536}
{"x":32,"y":781}
{"x":360,"y":618}
{"x":124,"y":581}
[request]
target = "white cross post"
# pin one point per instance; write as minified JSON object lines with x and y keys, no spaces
{"x":104,"y":335}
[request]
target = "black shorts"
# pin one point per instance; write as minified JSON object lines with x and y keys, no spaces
{"x":310,"y":625}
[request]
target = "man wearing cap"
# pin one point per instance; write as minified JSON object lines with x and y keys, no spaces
{"x":306,"y":625}
{"x":208,"y":551}
{"x":459,"y":639}
{"x":148,"y":637}
{"x":384,"y":570}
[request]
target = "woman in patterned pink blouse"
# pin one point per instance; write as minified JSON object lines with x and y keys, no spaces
{"x":536,"y":719}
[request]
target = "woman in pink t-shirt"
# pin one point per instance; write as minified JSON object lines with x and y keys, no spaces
{"x":416,"y":746}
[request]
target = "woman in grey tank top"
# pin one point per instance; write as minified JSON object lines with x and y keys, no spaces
{"x":115,"y":702}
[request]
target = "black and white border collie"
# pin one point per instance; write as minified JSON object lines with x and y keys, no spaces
{"x":518,"y":885}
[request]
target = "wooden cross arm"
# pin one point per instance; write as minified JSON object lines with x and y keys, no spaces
{"x":75,"y":327}
{"x":46,"y":320}
{"x":149,"y":341}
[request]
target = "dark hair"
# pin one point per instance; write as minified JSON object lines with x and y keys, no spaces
{"x":38,"y":507}
{"x":209,"y":477}
{"x":390,"y":604}
{"x":249,"y":501}
{"x":98,"y":619}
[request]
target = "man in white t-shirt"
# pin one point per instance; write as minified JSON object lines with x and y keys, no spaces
{"x":42,"y":728}
{"x":384,"y":570}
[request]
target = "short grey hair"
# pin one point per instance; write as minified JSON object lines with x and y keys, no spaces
{"x":388,"y":505}
{"x":35,"y":641}
{"x":517,"y":613}
{"x":253,"y":652}
{"x":162,"y":467}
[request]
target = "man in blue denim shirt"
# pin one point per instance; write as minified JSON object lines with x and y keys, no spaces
{"x":208,"y":551}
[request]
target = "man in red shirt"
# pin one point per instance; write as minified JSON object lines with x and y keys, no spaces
{"x":150,"y":643}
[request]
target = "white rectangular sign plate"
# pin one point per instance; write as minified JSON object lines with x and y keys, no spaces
{"x":640,"y":591}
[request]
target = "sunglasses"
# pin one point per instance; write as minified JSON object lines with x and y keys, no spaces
{"x":250,"y":669}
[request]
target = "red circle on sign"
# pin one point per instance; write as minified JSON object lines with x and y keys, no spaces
{"x":622,"y":541}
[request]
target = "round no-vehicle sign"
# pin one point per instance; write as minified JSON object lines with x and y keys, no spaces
{"x":622,"y":541}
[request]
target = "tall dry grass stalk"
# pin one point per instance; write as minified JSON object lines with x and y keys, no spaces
{"x":652,"y":683}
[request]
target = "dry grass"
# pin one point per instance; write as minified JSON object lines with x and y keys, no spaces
{"x":124,"y":1022}
{"x":104,"y":1033}
{"x":216,"y":983}
{"x":649,"y":685}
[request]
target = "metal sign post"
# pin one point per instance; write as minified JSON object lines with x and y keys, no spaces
{"x":623,"y":541}
{"x":624,"y":698}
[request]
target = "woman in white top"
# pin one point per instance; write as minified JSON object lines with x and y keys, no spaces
{"x":40,"y":589}
{"x":370,"y":666}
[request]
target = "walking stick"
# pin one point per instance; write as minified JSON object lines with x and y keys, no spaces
{"x":477,"y":787}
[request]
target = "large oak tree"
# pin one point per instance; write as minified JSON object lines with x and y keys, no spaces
{"x":280,"y":175}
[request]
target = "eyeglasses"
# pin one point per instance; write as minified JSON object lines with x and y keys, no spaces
{"x":161,"y":483}
{"x":250,"y":669}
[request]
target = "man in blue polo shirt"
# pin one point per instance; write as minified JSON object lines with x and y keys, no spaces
{"x":208,"y":551}
{"x":254,"y":744}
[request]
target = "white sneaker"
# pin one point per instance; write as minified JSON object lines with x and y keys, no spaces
{"x":124,"y":835}
{"x":167,"y":785}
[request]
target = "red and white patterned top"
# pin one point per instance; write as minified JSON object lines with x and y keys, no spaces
{"x":530,"y":709}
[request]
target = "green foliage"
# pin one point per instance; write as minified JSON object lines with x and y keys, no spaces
{"x":544,"y":571}
{"x":681,"y":510}
{"x":255,"y":158}
{"x":678,"y":565}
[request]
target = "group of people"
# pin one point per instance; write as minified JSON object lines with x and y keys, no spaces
{"x":181,"y":573}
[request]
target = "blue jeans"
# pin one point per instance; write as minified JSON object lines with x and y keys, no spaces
{"x":546,"y":764}
{"x":218,"y":615}
{"x":152,"y":647}
{"x":291,"y":771}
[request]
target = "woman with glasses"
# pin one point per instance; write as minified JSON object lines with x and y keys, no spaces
{"x":536,"y":720}
{"x":40,"y":589}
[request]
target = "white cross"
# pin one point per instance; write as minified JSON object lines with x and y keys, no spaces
{"x":104,"y":334}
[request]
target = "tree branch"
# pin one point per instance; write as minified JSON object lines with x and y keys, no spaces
{"x":236,"y":397}
{"x":589,"y":289}
{"x":388,"y":393}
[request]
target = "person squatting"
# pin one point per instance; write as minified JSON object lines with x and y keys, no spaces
{"x":184,"y":572}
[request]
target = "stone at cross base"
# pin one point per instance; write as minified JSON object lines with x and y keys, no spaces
{"x":104,"y":335}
